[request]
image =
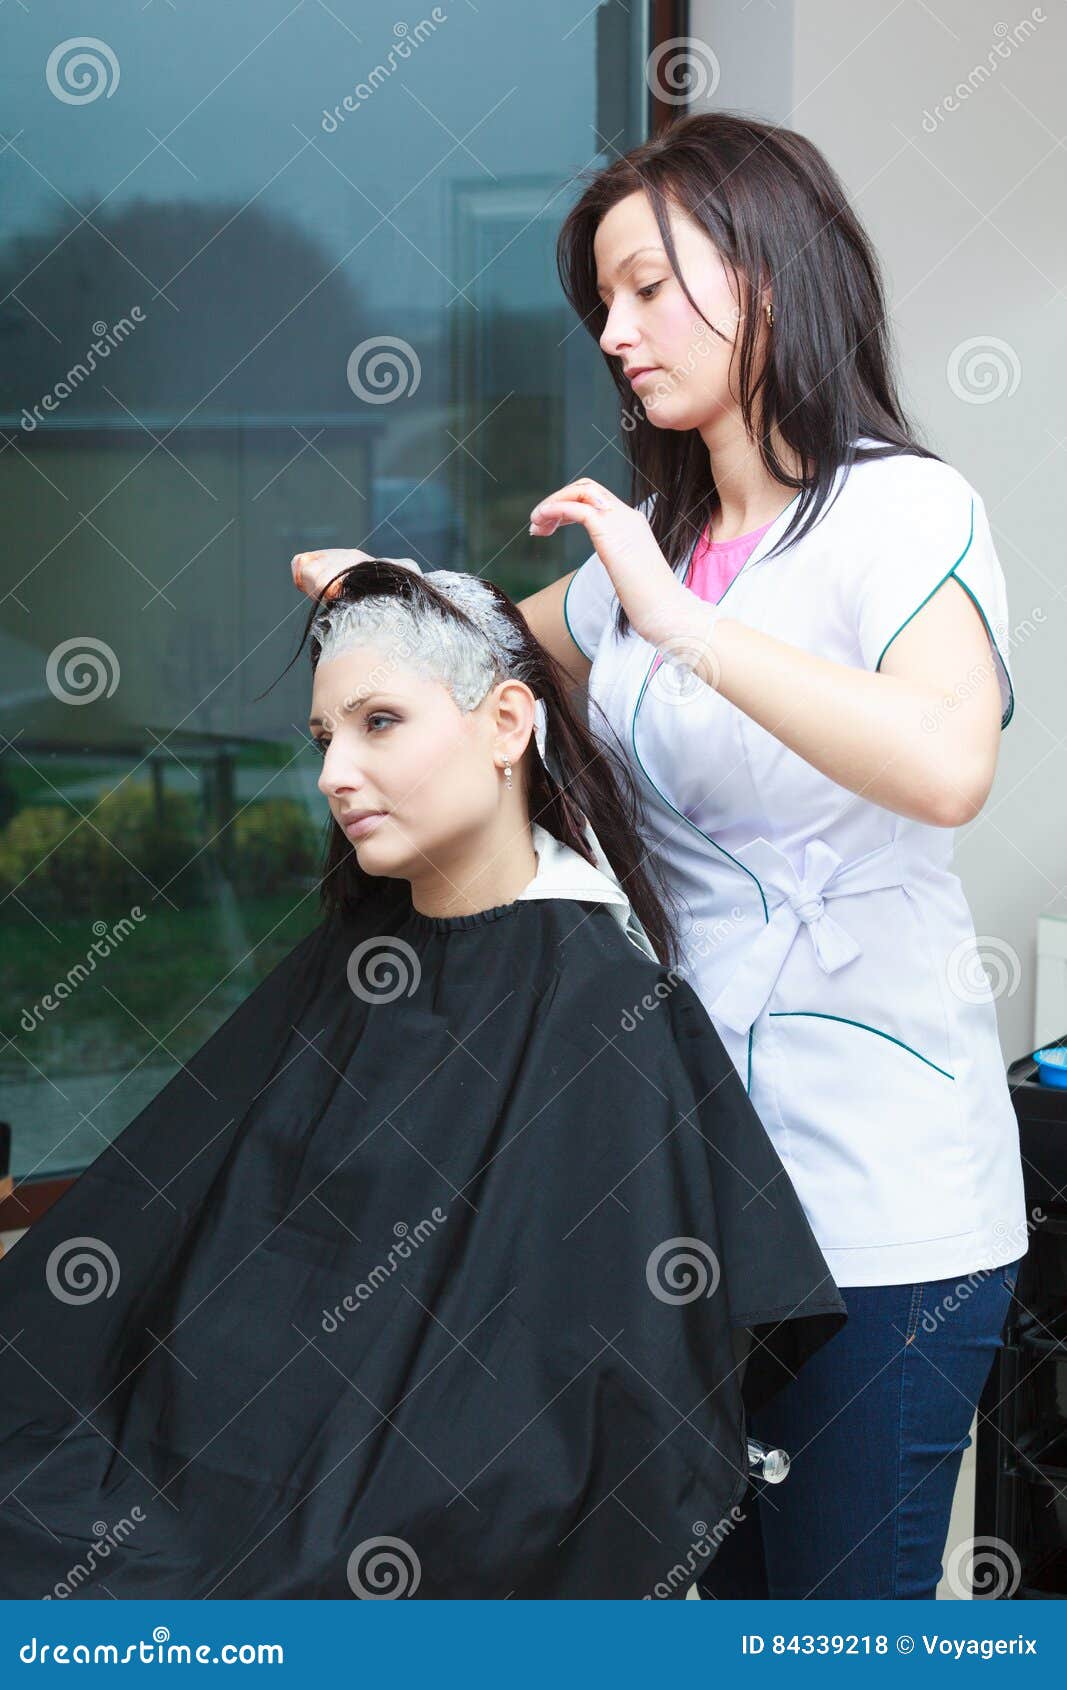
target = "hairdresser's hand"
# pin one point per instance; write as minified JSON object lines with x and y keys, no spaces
{"x":312,"y":570}
{"x":647,"y":587}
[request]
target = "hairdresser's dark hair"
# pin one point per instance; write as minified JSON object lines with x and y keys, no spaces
{"x":778,"y":214}
{"x":594,"y":779}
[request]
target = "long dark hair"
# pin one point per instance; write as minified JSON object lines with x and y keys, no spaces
{"x":779,"y":216}
{"x":594,"y":779}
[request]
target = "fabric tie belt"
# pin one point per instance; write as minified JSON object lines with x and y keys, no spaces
{"x":800,"y":902}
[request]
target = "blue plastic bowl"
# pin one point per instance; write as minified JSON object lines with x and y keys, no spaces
{"x":1052,"y":1065}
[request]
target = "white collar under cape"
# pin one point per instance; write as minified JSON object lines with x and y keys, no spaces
{"x":562,"y":873}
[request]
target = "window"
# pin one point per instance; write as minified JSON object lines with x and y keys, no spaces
{"x":273,"y":278}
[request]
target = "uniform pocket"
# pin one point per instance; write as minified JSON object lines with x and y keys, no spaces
{"x":871,"y":1132}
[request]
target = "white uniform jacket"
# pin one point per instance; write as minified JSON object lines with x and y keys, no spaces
{"x":827,"y":936}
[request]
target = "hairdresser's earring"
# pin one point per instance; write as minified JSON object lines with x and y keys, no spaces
{"x":507,"y":773}
{"x":769,"y":308}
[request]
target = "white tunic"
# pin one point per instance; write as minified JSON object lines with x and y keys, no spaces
{"x":827,"y":936}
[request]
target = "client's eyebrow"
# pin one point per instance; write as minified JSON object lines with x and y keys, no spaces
{"x":628,"y":260}
{"x":371,"y":698}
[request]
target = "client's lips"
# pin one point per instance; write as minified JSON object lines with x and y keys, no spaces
{"x":358,"y":822}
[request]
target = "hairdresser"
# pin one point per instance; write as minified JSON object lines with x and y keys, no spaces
{"x":796,"y":629}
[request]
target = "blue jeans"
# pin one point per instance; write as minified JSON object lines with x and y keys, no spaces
{"x":876,"y":1424}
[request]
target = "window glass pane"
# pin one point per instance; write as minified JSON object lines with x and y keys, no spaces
{"x":273,"y":277}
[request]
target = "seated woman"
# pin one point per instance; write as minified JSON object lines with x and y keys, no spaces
{"x":452,"y":1262}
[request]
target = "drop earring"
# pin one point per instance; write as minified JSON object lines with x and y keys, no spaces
{"x":507,"y":773}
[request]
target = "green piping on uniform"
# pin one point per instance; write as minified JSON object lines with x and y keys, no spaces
{"x":820,"y":1015}
{"x":1010,"y":711}
{"x":651,"y":782}
{"x":951,"y":574}
{"x":684,"y":577}
{"x":637,"y":755}
{"x":567,"y":619}
{"x":670,"y":806}
{"x":663,"y":795}
{"x":932,"y":591}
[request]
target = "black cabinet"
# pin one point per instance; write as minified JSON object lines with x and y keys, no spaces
{"x":1021,"y":1442}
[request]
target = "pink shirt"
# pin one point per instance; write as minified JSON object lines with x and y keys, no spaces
{"x":714,"y":566}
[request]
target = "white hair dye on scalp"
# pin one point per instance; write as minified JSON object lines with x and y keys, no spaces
{"x":423,"y":638}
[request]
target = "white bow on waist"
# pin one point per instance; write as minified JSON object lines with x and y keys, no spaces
{"x":801,"y":903}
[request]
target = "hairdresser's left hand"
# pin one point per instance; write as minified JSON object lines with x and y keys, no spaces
{"x":647,"y":587}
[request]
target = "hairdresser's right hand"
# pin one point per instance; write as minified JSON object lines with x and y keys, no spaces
{"x":312,"y":570}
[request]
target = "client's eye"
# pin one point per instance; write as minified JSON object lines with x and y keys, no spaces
{"x":322,"y":742}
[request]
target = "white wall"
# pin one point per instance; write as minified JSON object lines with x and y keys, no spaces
{"x":966,"y":208}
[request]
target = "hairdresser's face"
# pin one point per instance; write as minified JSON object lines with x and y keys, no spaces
{"x":395,"y":742}
{"x":651,"y":322}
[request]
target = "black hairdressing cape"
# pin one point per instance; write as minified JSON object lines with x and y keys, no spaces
{"x":448,"y":1267}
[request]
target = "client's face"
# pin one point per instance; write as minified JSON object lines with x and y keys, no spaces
{"x":397,"y":745}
